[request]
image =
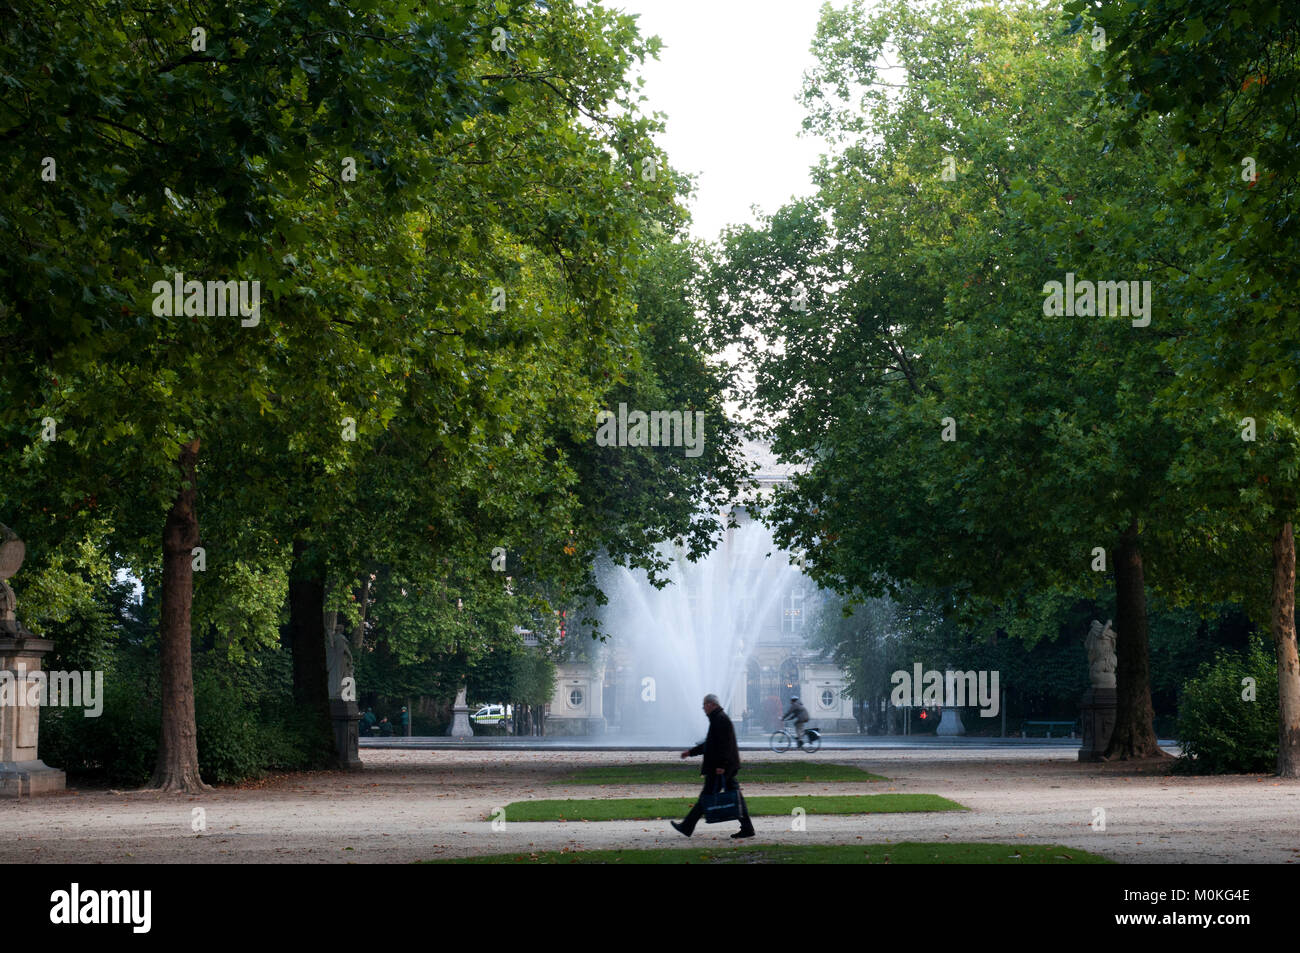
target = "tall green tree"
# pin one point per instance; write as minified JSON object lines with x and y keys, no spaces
{"x":958,"y":433}
{"x":1222,"y":80}
{"x":222,"y":141}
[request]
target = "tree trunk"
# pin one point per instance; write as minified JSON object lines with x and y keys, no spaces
{"x":307,"y":632}
{"x":359,"y":633}
{"x":1134,"y":735}
{"x":178,"y":749}
{"x":1284,"y":641}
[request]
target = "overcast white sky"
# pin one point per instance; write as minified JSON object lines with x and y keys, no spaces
{"x":727,"y":79}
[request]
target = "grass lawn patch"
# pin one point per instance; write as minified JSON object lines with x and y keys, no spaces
{"x":752,"y":772}
{"x":654,"y":808}
{"x":904,"y":853}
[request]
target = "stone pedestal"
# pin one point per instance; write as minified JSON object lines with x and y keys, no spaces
{"x":22,"y":772}
{"x":575,"y":727}
{"x":1097,"y":713}
{"x":950,"y":723}
{"x":345,"y":716}
{"x":460,"y":727}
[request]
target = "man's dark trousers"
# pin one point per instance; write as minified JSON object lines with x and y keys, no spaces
{"x":711,"y":787}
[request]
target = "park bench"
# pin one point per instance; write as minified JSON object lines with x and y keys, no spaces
{"x":1067,"y":727}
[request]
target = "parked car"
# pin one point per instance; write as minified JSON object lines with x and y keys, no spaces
{"x":490,"y":715}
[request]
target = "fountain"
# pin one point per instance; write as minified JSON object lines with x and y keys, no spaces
{"x":697,"y":634}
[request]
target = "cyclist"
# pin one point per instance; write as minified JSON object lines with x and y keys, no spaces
{"x":800,"y":716}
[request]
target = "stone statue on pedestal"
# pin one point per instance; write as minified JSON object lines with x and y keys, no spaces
{"x":22,"y":772}
{"x":1098,"y":707}
{"x":338,"y":653}
{"x":12,"y":553}
{"x":1101,"y":655}
{"x":950,"y":719}
{"x":343,"y":697}
{"x":460,"y":727}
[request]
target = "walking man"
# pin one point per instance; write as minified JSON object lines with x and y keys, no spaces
{"x":721,"y":762}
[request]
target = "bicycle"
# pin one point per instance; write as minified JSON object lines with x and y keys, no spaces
{"x":782,"y":739}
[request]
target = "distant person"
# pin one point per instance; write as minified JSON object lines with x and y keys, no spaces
{"x":385,"y":727}
{"x":721,"y":762}
{"x":800,"y":716}
{"x":368,"y":722}
{"x":406,"y":722}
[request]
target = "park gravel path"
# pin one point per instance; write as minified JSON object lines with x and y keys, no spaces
{"x":419,"y":805}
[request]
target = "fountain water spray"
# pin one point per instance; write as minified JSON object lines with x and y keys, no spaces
{"x":697,"y":634}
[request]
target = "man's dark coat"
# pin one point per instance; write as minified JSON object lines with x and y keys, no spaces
{"x":719,"y":748}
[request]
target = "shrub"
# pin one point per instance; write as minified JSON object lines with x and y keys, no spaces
{"x":246,"y":724}
{"x":121,"y":744}
{"x":228,"y":733}
{"x":1220,"y":733}
{"x":291,"y":740}
{"x":427,"y":725}
{"x":246,"y":727}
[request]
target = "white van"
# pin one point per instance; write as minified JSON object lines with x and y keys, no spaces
{"x":490,"y":715}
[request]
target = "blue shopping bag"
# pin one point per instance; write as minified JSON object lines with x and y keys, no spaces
{"x":722,"y":805}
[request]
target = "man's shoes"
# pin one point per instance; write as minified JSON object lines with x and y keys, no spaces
{"x":740,"y":834}
{"x":679,"y":829}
